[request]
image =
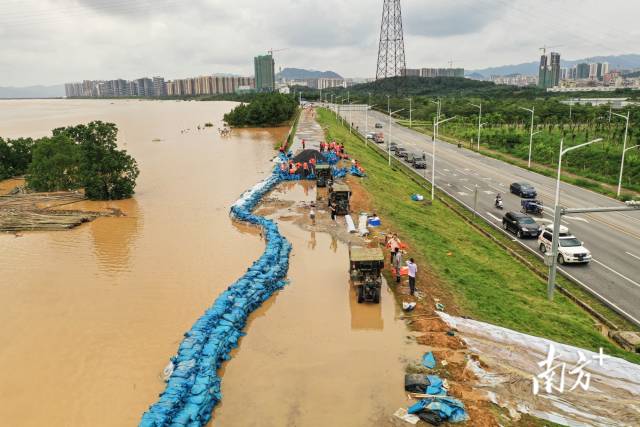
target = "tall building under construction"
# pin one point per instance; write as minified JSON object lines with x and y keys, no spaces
{"x":265,"y":73}
{"x":549,"y":73}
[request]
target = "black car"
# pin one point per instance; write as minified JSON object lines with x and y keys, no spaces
{"x":520,"y":224}
{"x":419,"y":164}
{"x":379,"y":125}
{"x":393,"y":146}
{"x":401,"y":152}
{"x":523,"y":190}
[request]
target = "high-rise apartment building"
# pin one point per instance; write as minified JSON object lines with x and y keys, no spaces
{"x":549,"y":72}
{"x":159,"y":87}
{"x":265,"y":73}
{"x":582,"y":71}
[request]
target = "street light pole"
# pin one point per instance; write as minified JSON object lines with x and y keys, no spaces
{"x":479,"y":122}
{"x":388,"y":103}
{"x":532,"y":111}
{"x":410,"y":115}
{"x":624,"y":149}
{"x":366,"y":122}
{"x":389,"y":139}
{"x":351,"y":116}
{"x":556,"y":219}
{"x":436,"y":125}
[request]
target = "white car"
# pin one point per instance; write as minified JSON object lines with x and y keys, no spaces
{"x":371,"y":135}
{"x":570,"y":251}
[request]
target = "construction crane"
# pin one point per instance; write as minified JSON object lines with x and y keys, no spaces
{"x":271,"y":51}
{"x":545,"y":47}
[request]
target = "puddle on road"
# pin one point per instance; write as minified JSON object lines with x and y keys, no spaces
{"x":313,"y":356}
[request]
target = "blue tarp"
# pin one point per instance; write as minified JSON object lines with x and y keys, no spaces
{"x":193,"y":389}
{"x":448,"y":408}
{"x":429,"y":360}
{"x":356,"y":172}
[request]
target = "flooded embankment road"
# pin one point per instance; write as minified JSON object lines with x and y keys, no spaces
{"x":89,"y":317}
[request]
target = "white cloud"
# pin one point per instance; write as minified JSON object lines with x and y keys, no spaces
{"x":53,"y":41}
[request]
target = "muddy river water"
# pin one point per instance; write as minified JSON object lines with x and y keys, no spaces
{"x":89,"y":317}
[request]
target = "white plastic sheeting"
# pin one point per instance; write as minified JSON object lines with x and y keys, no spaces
{"x":512,"y":358}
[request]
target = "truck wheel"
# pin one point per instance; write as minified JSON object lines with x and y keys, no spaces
{"x":543,"y":248}
{"x":360,"y":294}
{"x":561,"y":259}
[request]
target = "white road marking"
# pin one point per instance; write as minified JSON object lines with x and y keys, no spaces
{"x":615,"y":272}
{"x":635,"y":256}
{"x":488,"y":192}
{"x":470,"y":189}
{"x":575,"y":218}
{"x":494,"y":217}
{"x":447,"y":170}
{"x":495,"y":188}
{"x":462,"y":193}
{"x":463,"y":180}
{"x":545,"y":220}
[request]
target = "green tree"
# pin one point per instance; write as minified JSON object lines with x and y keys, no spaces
{"x":55,"y":165}
{"x":106,"y":173}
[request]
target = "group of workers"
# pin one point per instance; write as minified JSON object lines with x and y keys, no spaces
{"x":334,"y":146}
{"x":304,"y":169}
{"x":395,"y":247}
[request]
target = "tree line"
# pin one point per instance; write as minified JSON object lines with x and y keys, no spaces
{"x":265,"y":109}
{"x":83,"y":156}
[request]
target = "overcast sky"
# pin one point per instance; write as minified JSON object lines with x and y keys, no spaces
{"x":57,"y":41}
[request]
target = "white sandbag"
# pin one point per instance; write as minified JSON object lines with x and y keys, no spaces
{"x":351,"y":227}
{"x":362,"y":224}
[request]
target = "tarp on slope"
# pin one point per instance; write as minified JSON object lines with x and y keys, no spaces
{"x":512,"y":359}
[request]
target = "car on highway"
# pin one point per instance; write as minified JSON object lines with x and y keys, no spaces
{"x":524,"y":190}
{"x":570,"y":251}
{"x":371,"y":135}
{"x":393,"y":147}
{"x":420,"y":164}
{"x":402,"y":152}
{"x":521,"y":225}
{"x":379,"y":125}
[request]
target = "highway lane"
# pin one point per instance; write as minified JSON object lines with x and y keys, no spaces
{"x":613,"y":238}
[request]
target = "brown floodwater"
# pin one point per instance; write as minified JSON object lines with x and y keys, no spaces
{"x":89,"y":317}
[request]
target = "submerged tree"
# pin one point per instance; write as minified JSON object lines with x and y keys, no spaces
{"x":55,"y":165}
{"x":106,"y":173}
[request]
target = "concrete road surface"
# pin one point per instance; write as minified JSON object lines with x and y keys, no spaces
{"x":612,"y":238}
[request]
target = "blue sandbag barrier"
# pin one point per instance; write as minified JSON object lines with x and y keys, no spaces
{"x":357,"y":172}
{"x":193,"y":388}
{"x":339,"y":172}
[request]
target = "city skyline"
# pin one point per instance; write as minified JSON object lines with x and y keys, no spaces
{"x":50,"y":42}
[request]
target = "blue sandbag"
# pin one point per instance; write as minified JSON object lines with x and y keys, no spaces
{"x":193,"y":389}
{"x":429,"y":360}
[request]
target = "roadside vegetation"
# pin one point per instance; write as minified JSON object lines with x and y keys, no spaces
{"x":266,"y":109}
{"x":506,"y":127}
{"x":83,"y":156}
{"x":485,"y":282}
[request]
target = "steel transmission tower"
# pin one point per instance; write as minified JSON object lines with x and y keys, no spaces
{"x":391,"y":60}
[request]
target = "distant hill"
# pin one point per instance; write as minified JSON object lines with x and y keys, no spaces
{"x":55,"y":91}
{"x":300,"y":74}
{"x":629,"y":62}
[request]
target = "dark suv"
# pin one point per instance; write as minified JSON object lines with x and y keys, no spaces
{"x":520,"y":224}
{"x":523,"y":190}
